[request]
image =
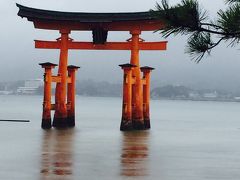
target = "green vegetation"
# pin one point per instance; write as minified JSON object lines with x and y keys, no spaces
{"x":187,"y":18}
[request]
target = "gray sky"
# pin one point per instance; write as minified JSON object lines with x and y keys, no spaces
{"x":19,"y":59}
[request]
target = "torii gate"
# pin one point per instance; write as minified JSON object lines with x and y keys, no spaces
{"x":136,"y":88}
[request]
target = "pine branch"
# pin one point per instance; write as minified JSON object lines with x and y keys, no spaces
{"x":186,"y":18}
{"x":199,"y":44}
{"x":230,"y":21}
{"x":232,"y":1}
{"x":212,"y":25}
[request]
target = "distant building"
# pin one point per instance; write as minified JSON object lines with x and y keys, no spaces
{"x":30,"y":86}
{"x":237,"y":98}
{"x":194,"y":95}
{"x":212,"y":95}
{"x":5,"y":92}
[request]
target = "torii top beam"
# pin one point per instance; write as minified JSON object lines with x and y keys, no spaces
{"x":98,"y":23}
{"x":55,"y":20}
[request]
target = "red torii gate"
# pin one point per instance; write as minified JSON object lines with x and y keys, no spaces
{"x":136,"y":88}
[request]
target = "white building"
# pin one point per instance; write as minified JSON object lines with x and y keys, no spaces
{"x":211,"y":95}
{"x":5,"y":92}
{"x":30,"y":86}
{"x":194,"y":95}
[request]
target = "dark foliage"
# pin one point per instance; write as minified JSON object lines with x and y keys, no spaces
{"x":187,"y":18}
{"x":233,"y":1}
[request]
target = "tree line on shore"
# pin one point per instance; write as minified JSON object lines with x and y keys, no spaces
{"x":107,"y":89}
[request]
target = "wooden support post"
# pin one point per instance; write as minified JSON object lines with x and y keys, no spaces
{"x":126,"y":122}
{"x":146,"y":95}
{"x":60,"y":116}
{"x":46,"y":115}
{"x":137,"y":97}
{"x":71,"y":95}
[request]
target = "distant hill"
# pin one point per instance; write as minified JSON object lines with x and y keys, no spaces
{"x":93,"y":88}
{"x":104,"y":89}
{"x":171,"y":91}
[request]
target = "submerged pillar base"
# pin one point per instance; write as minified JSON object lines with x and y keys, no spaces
{"x":147,"y":123}
{"x":126,"y":125}
{"x":138,"y":125}
{"x":71,"y":121}
{"x":60,"y":122}
{"x":46,"y":123}
{"x":132,"y":125}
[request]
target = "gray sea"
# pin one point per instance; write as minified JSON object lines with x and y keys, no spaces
{"x":188,"y":141}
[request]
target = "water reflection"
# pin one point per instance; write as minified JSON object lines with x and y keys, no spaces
{"x":57,"y":150}
{"x":135,"y":149}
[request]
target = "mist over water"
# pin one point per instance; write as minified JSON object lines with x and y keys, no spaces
{"x":218,"y":71}
{"x":188,"y":140}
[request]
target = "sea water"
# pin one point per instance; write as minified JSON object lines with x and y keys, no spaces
{"x":189,"y":140}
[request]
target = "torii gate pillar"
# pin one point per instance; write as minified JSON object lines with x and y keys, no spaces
{"x":60,"y":116}
{"x":47,"y":106}
{"x":128,"y":81}
{"x":137,"y":96}
{"x":71,"y":95}
{"x":146,"y":95}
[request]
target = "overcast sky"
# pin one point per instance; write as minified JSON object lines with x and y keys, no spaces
{"x":19,"y":60}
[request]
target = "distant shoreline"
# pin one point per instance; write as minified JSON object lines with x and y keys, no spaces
{"x":189,"y":99}
{"x":152,"y":98}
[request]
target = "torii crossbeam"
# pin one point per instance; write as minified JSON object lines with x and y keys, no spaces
{"x":106,"y":46}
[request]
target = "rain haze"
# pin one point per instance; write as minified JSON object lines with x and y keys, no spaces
{"x":186,"y":132}
{"x":19,"y":58}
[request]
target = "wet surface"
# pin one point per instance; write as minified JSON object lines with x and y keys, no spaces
{"x":57,"y":151}
{"x":188,"y":141}
{"x":134,"y":157}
